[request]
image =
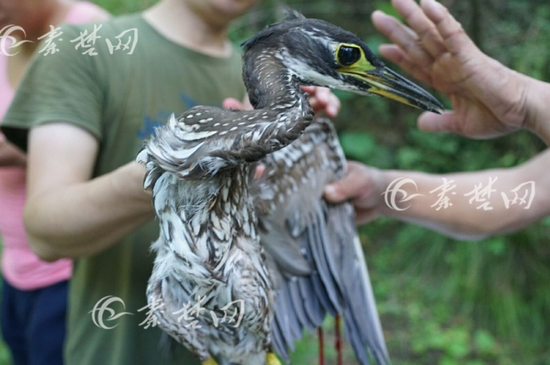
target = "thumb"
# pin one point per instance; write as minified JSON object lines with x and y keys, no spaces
{"x":356,"y":183}
{"x":334,"y":192}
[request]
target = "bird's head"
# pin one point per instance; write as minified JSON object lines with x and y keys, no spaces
{"x":315,"y":52}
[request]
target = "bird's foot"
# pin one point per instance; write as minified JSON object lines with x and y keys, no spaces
{"x":271,"y":359}
{"x":210,"y":361}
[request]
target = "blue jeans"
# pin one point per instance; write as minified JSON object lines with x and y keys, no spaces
{"x":33,"y":323}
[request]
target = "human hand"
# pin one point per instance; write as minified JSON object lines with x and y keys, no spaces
{"x":488,"y":99}
{"x":10,"y":155}
{"x":323,"y":100}
{"x":363,"y":186}
{"x":232,"y":103}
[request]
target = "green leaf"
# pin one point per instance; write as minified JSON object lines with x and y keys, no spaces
{"x":484,"y":342}
{"x":357,"y":145}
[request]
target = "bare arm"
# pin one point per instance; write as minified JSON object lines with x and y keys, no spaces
{"x":366,"y":186}
{"x":538,"y":113}
{"x":68,"y":214}
{"x":488,"y":100}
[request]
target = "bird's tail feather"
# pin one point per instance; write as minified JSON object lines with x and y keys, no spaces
{"x":361,"y":319}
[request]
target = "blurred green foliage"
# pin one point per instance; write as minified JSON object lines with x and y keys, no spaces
{"x":441,"y":301}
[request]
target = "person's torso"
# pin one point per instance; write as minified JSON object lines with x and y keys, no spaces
{"x":141,"y":90}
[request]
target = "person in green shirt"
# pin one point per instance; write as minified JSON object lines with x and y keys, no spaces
{"x":91,"y":96}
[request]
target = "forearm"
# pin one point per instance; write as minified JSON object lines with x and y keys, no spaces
{"x":538,"y":110}
{"x":85,"y":218}
{"x":467,"y":218}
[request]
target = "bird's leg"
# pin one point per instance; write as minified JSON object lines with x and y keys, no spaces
{"x":271,"y":359}
{"x":321,"y":346}
{"x":338,"y":340}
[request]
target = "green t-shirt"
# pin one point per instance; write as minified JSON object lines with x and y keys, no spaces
{"x":119,"y":98}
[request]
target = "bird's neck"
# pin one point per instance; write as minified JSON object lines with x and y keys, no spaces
{"x":271,"y":86}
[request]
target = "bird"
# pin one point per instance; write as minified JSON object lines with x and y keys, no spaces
{"x":245,"y":263}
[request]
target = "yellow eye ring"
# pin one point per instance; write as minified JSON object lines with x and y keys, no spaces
{"x":348,"y":54}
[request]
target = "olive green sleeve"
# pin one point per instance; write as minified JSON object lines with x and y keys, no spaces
{"x":60,"y":87}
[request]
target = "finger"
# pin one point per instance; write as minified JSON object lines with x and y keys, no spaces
{"x":333,"y":106}
{"x":327,"y":102}
{"x":420,"y":24}
{"x":232,"y":103}
{"x":401,"y":35}
{"x":454,"y":37}
{"x":321,"y":94}
{"x":323,"y":100}
{"x":397,"y":55}
{"x":309,"y":89}
{"x":434,"y":123}
{"x":319,"y":99}
{"x":314,"y":103}
{"x":258,"y":173}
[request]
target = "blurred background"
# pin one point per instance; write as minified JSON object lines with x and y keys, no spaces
{"x":441,"y":301}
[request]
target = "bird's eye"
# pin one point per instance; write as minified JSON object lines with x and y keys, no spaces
{"x":347,"y":55}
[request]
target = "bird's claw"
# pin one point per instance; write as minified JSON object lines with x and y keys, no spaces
{"x":271,"y":359}
{"x":210,"y":361}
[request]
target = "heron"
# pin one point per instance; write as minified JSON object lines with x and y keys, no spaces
{"x":269,"y":244}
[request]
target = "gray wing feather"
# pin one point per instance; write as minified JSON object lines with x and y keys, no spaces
{"x":360,"y":315}
{"x":334,"y":277}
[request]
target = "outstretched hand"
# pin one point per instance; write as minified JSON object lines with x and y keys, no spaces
{"x":488,"y":99}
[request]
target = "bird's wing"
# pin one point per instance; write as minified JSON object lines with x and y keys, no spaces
{"x":316,"y":259}
{"x":206,"y":140}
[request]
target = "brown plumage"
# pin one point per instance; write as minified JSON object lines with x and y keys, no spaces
{"x":271,"y":243}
